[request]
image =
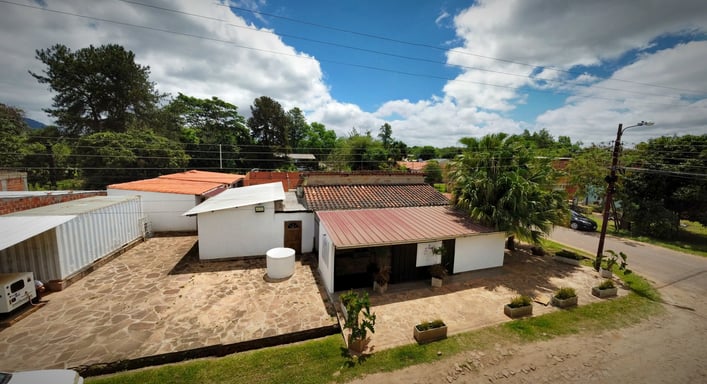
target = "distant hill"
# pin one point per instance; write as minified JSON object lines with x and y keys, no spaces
{"x":34,"y":124}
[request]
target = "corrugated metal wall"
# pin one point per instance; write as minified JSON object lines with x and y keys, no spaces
{"x":95,"y":234}
{"x":38,"y":254}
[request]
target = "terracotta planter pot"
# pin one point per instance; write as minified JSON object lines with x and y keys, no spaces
{"x":604,"y":293}
{"x":566,"y":260}
{"x":518,"y":312}
{"x":357,"y":346}
{"x":564,"y":303}
{"x":429,"y":335}
{"x":378,"y":288}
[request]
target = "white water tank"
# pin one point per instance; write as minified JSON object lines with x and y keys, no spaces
{"x":280,"y":262}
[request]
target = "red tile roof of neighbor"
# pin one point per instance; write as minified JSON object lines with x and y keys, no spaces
{"x":378,"y":227}
{"x":413,"y":165}
{"x":214,"y":177}
{"x":327,"y":197}
{"x":171,"y":186}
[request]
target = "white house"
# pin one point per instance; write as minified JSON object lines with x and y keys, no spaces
{"x":248,"y":221}
{"x":165,"y":198}
{"x":402,"y":239}
{"x":60,"y":241}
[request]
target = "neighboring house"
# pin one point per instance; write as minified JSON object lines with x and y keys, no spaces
{"x":248,"y":221}
{"x":165,"y":198}
{"x":289,"y":180}
{"x":22,"y":200}
{"x":366,"y":221}
{"x":60,"y":242}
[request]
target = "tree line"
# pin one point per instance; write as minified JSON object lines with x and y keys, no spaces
{"x":112,"y":125}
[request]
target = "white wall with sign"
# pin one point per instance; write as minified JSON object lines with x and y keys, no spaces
{"x":425,"y":254}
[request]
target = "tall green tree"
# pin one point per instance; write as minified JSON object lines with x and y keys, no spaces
{"x":386,"y":135}
{"x":297,"y":128}
{"x":665,"y":183}
{"x":588,"y":170}
{"x":97,"y":89}
{"x":503,"y":185}
{"x":13,"y":136}
{"x":268,"y":123}
{"x":433,"y":172}
{"x":318,"y":140}
{"x":212,"y":130}
{"x":115,"y":157}
{"x":50,"y":159}
{"x":358,"y":152}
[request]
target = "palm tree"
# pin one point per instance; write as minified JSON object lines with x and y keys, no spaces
{"x":501,"y":185}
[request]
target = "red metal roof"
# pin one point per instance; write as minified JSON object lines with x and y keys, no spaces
{"x":328,"y":197}
{"x":214,"y":177}
{"x":378,"y":227}
{"x":171,"y":186}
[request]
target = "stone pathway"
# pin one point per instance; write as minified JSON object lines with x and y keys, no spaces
{"x":154,"y":300}
{"x":474,"y":300}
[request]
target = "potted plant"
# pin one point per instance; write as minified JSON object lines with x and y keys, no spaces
{"x":359,"y":320}
{"x":610,"y":260}
{"x":437,"y":272}
{"x":565,"y":297}
{"x":519,"y":306}
{"x":428,"y":331}
{"x":380,"y":280}
{"x":607,"y":288}
{"x":567,"y":257}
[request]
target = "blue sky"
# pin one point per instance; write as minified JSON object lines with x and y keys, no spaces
{"x":574,"y":68}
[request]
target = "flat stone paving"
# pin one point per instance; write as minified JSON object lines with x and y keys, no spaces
{"x":153,"y":300}
{"x":474,"y":300}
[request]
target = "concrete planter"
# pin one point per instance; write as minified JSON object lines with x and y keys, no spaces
{"x":604,"y":293}
{"x":564,"y":303}
{"x":429,"y":335}
{"x":436,"y":282}
{"x":605,"y":273}
{"x":518,"y":312}
{"x":565,"y":260}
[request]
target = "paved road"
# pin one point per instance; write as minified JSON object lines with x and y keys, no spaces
{"x":686,"y":274}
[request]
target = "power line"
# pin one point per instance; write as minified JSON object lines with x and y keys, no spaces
{"x":367,"y":67}
{"x":464,"y":52}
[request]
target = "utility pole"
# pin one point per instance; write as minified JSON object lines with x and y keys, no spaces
{"x":611,"y":188}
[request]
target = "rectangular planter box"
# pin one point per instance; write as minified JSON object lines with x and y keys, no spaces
{"x":429,"y":335}
{"x":571,"y":302}
{"x":518,"y":312}
{"x":605,"y":273}
{"x":566,"y":260}
{"x":604,"y":293}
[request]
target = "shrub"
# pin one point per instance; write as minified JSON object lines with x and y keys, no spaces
{"x":607,"y":284}
{"x":427,"y":325}
{"x":565,"y":293}
{"x":519,"y":301}
{"x":438,"y":271}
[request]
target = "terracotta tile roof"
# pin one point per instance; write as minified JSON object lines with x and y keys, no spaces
{"x":171,"y":186}
{"x":413,"y":165}
{"x":214,"y":177}
{"x":330,"y":197}
{"x":378,"y":227}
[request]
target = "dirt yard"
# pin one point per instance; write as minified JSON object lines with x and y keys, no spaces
{"x":669,"y":348}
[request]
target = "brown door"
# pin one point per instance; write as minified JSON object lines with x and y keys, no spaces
{"x":403,"y":263}
{"x":293,"y":235}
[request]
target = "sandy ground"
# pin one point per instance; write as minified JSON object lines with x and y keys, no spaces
{"x":669,"y":348}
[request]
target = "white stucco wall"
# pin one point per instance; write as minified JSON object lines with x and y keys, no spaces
{"x":326,"y":259}
{"x":479,"y":252}
{"x":239,"y":232}
{"x":164,"y":210}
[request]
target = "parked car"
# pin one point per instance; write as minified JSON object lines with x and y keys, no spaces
{"x":581,"y":222}
{"x":46,"y":376}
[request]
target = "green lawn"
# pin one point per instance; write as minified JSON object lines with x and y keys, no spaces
{"x":692,"y":237}
{"x":325,"y":360}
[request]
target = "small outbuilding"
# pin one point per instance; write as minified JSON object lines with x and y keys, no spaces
{"x":165,"y":198}
{"x":60,"y":242}
{"x":248,"y":221}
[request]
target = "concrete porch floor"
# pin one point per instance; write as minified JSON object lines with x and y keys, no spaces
{"x":154,"y":300}
{"x":473,"y":300}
